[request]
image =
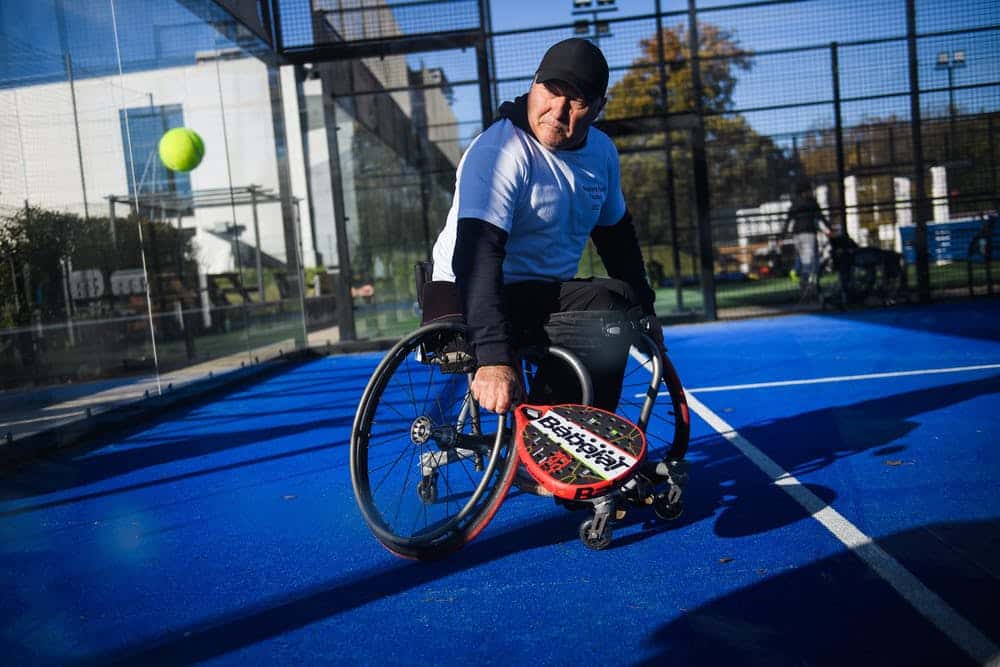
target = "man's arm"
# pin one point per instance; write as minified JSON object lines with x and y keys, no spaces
{"x":619,"y":249}
{"x":480,"y":249}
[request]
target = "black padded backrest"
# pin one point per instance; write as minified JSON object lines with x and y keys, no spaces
{"x":422,"y":272}
{"x":438,"y":299}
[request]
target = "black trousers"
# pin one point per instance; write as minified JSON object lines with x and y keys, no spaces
{"x":591,"y":318}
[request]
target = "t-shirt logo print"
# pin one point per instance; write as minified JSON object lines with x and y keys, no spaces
{"x":598,"y":193}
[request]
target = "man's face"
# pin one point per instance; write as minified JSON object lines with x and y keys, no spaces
{"x":559,"y":116}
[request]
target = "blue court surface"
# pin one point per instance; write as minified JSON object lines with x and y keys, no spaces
{"x":843,"y":508}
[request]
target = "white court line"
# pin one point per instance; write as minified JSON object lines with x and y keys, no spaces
{"x":65,"y":415}
{"x":931,"y":606}
{"x":844,"y":378}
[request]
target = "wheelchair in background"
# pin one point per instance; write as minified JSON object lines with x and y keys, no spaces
{"x":863,"y":274}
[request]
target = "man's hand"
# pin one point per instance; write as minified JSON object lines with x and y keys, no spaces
{"x":497,"y":388}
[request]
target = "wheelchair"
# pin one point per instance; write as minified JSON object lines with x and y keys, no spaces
{"x":863,"y":274}
{"x":430,"y":467}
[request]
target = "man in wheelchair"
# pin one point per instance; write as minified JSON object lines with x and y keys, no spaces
{"x":530,"y":191}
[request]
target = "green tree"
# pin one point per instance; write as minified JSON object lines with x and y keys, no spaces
{"x":38,"y":246}
{"x":745,"y":167}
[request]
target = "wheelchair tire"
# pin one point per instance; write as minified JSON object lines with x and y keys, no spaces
{"x":417,"y":419}
{"x":669,"y":428}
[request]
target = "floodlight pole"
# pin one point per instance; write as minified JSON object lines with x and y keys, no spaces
{"x":949,"y":60}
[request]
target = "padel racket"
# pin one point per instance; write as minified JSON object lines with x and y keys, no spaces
{"x":577,"y":452}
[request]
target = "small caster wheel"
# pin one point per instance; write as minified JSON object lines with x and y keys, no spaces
{"x":667,"y":510}
{"x":679,"y":472}
{"x":596,"y":542}
{"x":427,"y":489}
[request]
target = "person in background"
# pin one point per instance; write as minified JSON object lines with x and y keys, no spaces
{"x":805,"y":220}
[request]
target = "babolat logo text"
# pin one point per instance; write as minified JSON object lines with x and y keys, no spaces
{"x":596,"y":453}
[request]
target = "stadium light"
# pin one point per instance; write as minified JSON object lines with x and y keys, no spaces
{"x":582,"y":28}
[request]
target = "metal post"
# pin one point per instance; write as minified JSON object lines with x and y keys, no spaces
{"x":838,"y":131}
{"x":301,"y":276}
{"x":486,"y":107}
{"x":256,"y":236}
{"x":486,"y":27}
{"x":300,"y":95}
{"x":345,"y":302}
{"x":951,"y":111}
{"x":76,"y":127}
{"x":993,"y":163}
{"x":111,"y":224}
{"x":668,"y":150}
{"x":289,"y":221}
{"x":920,"y":213}
{"x":699,"y":165}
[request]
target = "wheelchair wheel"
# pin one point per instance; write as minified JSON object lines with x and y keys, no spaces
{"x":429,"y":467}
{"x":669,"y":427}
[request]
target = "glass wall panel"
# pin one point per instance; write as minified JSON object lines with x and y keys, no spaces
{"x":127,"y":273}
{"x":402,"y":123}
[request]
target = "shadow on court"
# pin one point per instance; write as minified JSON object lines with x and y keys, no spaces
{"x":861,"y":619}
{"x":744,"y":504}
{"x":967,"y":318}
{"x":217,"y":636}
{"x":93,"y":461}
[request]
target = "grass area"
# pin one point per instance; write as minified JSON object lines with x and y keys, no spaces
{"x":731,"y":295}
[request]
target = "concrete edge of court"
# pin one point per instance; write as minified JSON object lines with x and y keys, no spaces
{"x":140,"y":412}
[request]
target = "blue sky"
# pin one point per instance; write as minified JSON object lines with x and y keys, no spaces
{"x":784,"y":78}
{"x":799,"y":78}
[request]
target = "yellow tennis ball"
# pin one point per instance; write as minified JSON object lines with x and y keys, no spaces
{"x":181,"y":149}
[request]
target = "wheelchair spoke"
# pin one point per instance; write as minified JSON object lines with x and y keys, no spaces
{"x":391,"y":466}
{"x":387,"y":437}
{"x":406,"y":484}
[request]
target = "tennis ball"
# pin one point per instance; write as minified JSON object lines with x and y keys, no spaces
{"x":181,"y":149}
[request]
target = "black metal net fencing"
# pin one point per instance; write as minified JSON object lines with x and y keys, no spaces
{"x":795,"y":96}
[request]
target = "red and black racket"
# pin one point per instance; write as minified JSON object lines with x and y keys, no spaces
{"x":577,"y":452}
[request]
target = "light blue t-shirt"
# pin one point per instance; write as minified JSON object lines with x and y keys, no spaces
{"x":547,"y":201}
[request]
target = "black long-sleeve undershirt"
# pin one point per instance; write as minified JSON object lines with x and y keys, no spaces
{"x":618,"y":247}
{"x":480,"y":249}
